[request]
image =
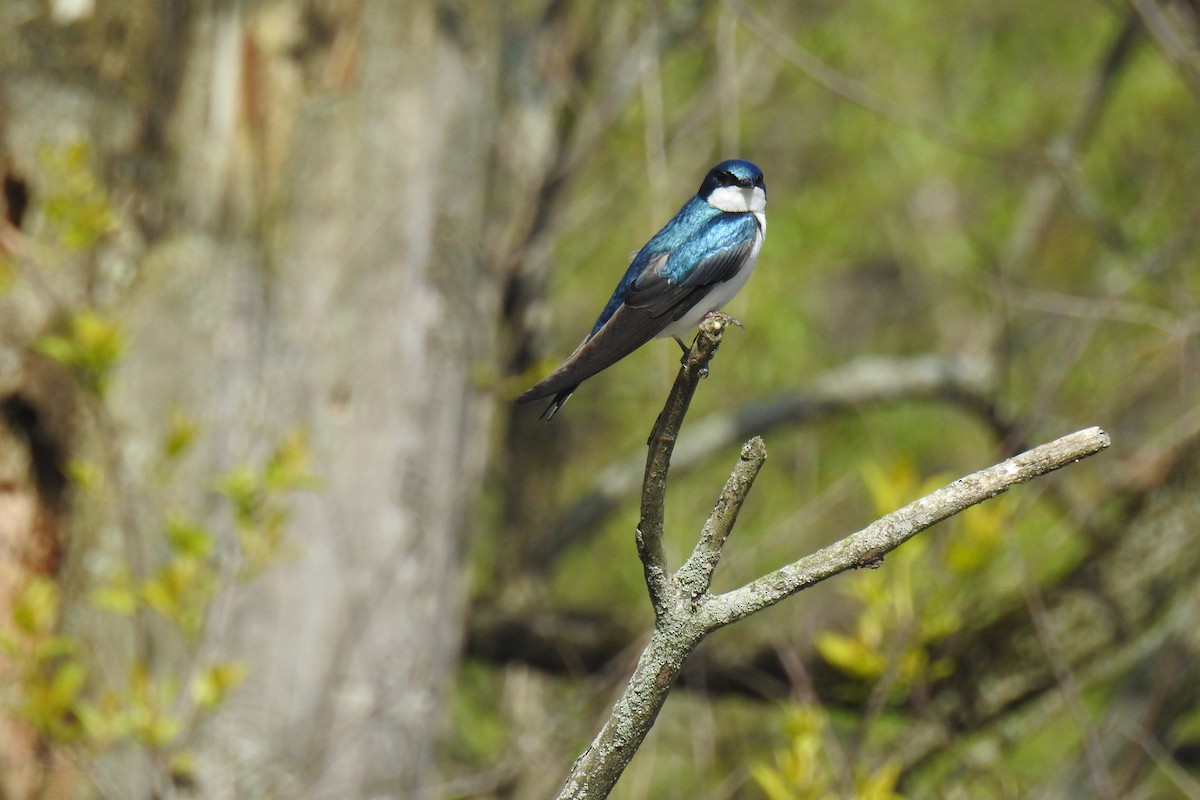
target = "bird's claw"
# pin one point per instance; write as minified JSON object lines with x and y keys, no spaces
{"x":722,"y":317}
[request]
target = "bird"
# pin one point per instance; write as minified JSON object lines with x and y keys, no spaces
{"x":689,"y":269}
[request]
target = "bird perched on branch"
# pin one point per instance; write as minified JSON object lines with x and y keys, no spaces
{"x":690,"y":268}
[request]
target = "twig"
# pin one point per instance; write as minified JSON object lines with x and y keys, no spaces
{"x":658,"y":459}
{"x":695,"y":576}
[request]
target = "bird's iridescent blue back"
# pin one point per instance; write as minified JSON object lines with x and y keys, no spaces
{"x":695,"y":214}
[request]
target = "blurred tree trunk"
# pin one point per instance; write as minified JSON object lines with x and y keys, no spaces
{"x":301,"y":193}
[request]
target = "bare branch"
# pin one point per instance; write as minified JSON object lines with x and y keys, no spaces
{"x":695,"y":576}
{"x":661,"y":445}
{"x":868,"y":547}
{"x":597,"y":769}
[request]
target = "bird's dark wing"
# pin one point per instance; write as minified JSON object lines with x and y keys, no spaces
{"x":666,"y":290}
{"x":660,"y":295}
{"x":626,"y":330}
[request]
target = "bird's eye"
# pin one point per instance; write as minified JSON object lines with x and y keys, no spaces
{"x":725,"y":177}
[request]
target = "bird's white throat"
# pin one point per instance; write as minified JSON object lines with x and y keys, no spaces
{"x":736,"y":200}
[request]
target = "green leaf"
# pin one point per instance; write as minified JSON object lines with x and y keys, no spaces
{"x":290,"y":465}
{"x":771,"y":782}
{"x":84,"y":474}
{"x":849,"y":655}
{"x":76,"y":204}
{"x":59,"y":348}
{"x":119,"y":599}
{"x":183,"y":767}
{"x":210,"y":687}
{"x":91,"y":346}
{"x":35,"y":612}
{"x":159,"y":731}
{"x":66,"y":684}
{"x":881,"y":784}
{"x":187,"y":538}
{"x":244,"y":490}
{"x":181,"y":435}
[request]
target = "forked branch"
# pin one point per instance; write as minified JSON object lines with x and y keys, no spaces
{"x":685,"y":612}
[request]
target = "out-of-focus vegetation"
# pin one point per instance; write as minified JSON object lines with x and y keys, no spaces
{"x":1012,"y":181}
{"x":87,"y":709}
{"x":81,"y":705}
{"x":1007,"y":185}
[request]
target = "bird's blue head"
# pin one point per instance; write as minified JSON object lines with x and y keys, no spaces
{"x":736,"y":186}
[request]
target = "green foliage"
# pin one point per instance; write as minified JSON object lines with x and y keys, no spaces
{"x":76,"y":204}
{"x":258,"y":499}
{"x":49,"y":675}
{"x":917,"y":598}
{"x":479,"y":731}
{"x":182,"y":431}
{"x":806,"y":770}
{"x":8,"y":272}
{"x":151,"y":702}
{"x":181,"y":589}
{"x":77,"y":210}
{"x":153,"y":708}
{"x":51,"y":689}
{"x":210,"y":687}
{"x":90,"y":345}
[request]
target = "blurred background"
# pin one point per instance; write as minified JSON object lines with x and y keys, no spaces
{"x":271,"y":274}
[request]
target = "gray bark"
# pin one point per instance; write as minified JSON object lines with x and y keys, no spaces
{"x":302,"y":190}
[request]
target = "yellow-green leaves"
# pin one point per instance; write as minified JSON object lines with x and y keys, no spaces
{"x":858,"y":655}
{"x":76,"y":205}
{"x":977,"y":537}
{"x":49,"y":674}
{"x":90,"y":345}
{"x":154,"y":704}
{"x":896,"y":624}
{"x":179,"y":590}
{"x":258,"y":498}
{"x":35,"y":613}
{"x":182,"y":430}
{"x":117,"y":594}
{"x":900,"y":614}
{"x":146,"y":713}
{"x":805,"y":769}
{"x":182,"y":588}
{"x":210,"y":686}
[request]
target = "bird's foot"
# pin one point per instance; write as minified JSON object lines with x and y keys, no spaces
{"x":721,"y":316}
{"x":682,"y":346}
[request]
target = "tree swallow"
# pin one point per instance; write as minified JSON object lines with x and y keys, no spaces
{"x":690,"y":268}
